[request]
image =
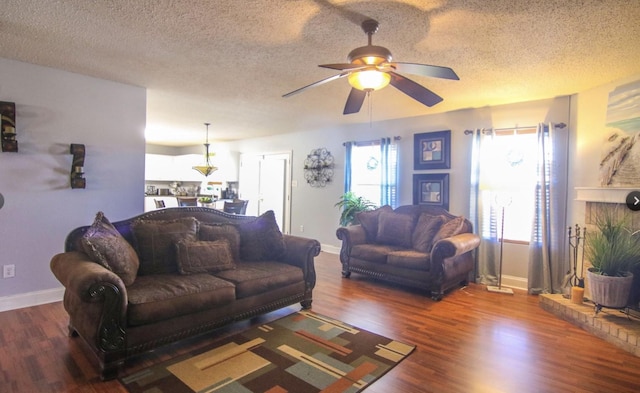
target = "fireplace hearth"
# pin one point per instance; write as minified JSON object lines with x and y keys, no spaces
{"x":619,"y":327}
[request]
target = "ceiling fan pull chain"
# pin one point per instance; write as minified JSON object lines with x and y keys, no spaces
{"x":370,"y":99}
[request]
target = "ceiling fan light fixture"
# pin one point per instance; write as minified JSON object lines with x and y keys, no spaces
{"x":207,"y":168}
{"x":369,"y":54}
{"x":369,"y":80}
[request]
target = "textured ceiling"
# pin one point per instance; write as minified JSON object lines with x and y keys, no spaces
{"x":228,"y":62}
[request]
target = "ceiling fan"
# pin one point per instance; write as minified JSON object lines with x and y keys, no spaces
{"x":370,"y":68}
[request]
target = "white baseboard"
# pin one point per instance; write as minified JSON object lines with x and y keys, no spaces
{"x":330,"y":249}
{"x":31,"y":299}
{"x":514,"y":282}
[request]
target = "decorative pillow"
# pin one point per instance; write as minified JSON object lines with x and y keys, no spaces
{"x":451,"y":228}
{"x":210,"y":232}
{"x":395,"y":229}
{"x":425,"y":230}
{"x":369,"y":221}
{"x":156,"y":239}
{"x":261,"y":238}
{"x":104,"y":244}
{"x":204,"y":256}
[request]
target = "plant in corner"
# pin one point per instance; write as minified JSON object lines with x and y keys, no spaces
{"x":352,"y":205}
{"x":613,"y":250}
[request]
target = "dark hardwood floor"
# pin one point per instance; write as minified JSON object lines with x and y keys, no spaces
{"x":471,"y":341}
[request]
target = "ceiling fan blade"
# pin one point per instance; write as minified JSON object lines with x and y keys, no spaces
{"x":354,"y":101}
{"x":414,"y":90}
{"x":425,"y":70}
{"x":344,"y":66}
{"x":318,"y":83}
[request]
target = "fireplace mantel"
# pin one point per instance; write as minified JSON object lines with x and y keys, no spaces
{"x":603,"y":194}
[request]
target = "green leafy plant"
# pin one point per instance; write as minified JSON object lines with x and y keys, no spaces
{"x":352,"y":205}
{"x":613,"y":249}
{"x":205,"y":200}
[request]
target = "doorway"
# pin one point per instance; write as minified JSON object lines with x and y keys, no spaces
{"x":265,"y":181}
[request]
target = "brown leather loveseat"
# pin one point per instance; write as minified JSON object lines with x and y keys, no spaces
{"x":415,"y":245}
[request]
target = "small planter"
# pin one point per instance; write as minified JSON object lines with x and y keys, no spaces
{"x":610,"y":291}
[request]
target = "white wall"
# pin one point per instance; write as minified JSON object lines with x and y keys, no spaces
{"x":54,"y":109}
{"x":314,"y":207}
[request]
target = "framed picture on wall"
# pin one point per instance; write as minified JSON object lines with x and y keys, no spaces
{"x":431,"y":189}
{"x":432,"y":150}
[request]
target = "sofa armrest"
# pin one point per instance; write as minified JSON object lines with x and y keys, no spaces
{"x":95,"y":298}
{"x":78,"y":275}
{"x":446,"y":252}
{"x":455,"y":245}
{"x":352,"y":235}
{"x":300,"y":251}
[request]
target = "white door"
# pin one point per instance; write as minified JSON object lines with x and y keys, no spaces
{"x":248,"y":181}
{"x":271,"y":188}
{"x":265,"y":181}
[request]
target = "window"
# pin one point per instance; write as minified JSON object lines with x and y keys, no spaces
{"x":373,"y":171}
{"x":508,"y":179}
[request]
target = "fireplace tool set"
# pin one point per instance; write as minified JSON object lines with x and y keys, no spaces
{"x":576,"y":248}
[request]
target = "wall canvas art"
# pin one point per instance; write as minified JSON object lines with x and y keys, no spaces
{"x":620,"y":159}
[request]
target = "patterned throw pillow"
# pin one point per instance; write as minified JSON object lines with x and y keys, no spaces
{"x":425,"y":231}
{"x":204,"y":256}
{"x":104,"y":244}
{"x":156,"y":240}
{"x":261,"y":239}
{"x":229,"y":232}
{"x":369,"y":221}
{"x":451,"y":228}
{"x":395,"y":229}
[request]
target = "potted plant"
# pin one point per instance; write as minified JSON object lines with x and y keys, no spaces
{"x":613,"y":250}
{"x":352,"y":205}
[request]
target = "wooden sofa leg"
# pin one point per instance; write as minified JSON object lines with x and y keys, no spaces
{"x":110,"y":371}
{"x":72,"y":332}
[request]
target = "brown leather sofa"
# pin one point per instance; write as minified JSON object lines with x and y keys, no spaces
{"x":188,"y":270}
{"x":419,"y":246}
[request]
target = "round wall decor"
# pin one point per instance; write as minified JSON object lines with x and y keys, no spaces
{"x":318,"y":167}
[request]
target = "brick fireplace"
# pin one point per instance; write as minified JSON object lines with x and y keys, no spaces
{"x":620,"y":327}
{"x":599,"y":199}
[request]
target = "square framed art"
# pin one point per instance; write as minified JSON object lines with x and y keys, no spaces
{"x":432,"y":150}
{"x":431,"y":189}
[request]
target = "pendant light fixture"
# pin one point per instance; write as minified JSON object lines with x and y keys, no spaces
{"x":207,"y":168}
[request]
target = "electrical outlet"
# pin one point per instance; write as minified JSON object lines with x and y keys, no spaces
{"x":301,"y":228}
{"x":8,"y":271}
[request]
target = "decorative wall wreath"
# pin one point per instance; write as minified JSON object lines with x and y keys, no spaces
{"x":318,"y":167}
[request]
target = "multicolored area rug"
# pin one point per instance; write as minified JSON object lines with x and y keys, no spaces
{"x":302,"y":352}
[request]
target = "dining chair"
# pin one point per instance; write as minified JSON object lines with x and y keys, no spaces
{"x":187,"y":201}
{"x":236,"y":207}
